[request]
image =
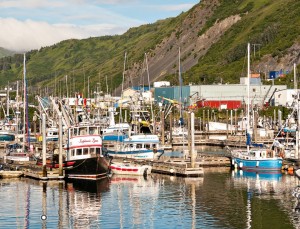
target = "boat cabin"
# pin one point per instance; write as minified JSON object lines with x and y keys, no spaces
{"x":138,"y":146}
{"x":266,"y":153}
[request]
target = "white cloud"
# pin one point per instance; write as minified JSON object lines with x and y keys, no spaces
{"x":31,"y":24}
{"x":33,"y":4}
{"x":23,"y":36}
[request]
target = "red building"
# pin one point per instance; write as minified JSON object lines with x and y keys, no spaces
{"x":220,"y":104}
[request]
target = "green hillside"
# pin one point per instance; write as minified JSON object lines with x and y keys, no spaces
{"x":5,"y":52}
{"x":98,"y":62}
{"x":271,"y":24}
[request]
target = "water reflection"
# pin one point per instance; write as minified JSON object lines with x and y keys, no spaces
{"x":268,"y":198}
{"x":93,"y":186}
{"x":84,"y":201}
{"x":258,"y":182}
{"x":221,"y":199}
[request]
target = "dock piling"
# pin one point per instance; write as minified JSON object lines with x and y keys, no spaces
{"x":44,"y":145}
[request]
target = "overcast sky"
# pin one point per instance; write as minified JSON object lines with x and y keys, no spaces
{"x":31,"y":24}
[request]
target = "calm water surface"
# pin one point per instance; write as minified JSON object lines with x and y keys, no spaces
{"x":221,"y":199}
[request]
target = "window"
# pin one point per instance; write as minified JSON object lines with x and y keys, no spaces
{"x":75,"y":131}
{"x":92,"y":151}
{"x":93,"y":130}
{"x":98,"y":150}
{"x":85,"y":151}
{"x":82,"y":131}
{"x":138,"y":146}
{"x":79,"y":152}
{"x":147,"y":146}
{"x":72,"y":152}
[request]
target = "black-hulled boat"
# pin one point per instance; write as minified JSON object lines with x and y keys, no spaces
{"x":84,"y":150}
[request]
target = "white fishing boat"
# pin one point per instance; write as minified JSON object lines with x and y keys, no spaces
{"x":130,"y":168}
{"x":140,"y":146}
{"x":17,"y":152}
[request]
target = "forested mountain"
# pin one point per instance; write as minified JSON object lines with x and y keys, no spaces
{"x":211,"y":38}
{"x":5,"y":52}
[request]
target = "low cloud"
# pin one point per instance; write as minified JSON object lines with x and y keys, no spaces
{"x":23,"y":36}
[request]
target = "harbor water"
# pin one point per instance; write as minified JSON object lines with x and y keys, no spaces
{"x":222,"y":198}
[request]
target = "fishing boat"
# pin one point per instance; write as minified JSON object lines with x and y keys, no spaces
{"x":84,"y":150}
{"x":140,"y":146}
{"x":255,"y":158}
{"x":17,"y":152}
{"x":17,"y":157}
{"x":7,"y":136}
{"x":130,"y":168}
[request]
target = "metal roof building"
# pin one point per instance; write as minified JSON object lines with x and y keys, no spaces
{"x":259,"y":94}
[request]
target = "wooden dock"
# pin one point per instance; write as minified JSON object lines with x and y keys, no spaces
{"x":29,"y":169}
{"x":231,"y":142}
{"x":11,"y":174}
{"x":177,"y":168}
{"x":38,"y":174}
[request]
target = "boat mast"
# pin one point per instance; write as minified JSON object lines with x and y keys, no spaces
{"x":180,"y":89}
{"x":298,"y":112}
{"x":17,"y":112}
{"x":24,"y":102}
{"x":124,"y":68}
{"x":248,"y":95}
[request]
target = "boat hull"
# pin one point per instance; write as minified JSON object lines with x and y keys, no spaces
{"x":88,"y":168}
{"x":127,"y":169}
{"x":258,"y":164}
{"x":136,"y":154}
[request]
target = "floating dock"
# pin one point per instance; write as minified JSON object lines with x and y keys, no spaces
{"x":11,"y":174}
{"x":38,"y":174}
{"x":29,"y":169}
{"x":177,"y":168}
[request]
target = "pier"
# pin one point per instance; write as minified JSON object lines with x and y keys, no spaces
{"x":28,"y":169}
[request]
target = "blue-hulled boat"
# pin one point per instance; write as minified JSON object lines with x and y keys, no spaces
{"x":260,"y":159}
{"x":7,"y":136}
{"x":257,"y":158}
